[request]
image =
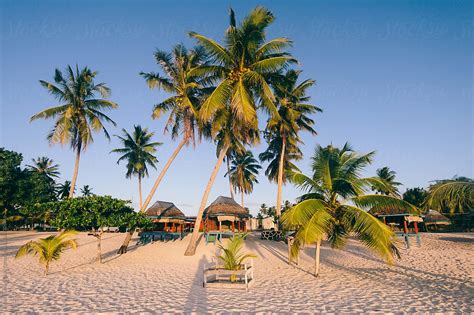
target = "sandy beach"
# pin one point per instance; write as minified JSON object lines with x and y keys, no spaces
{"x":438,"y":277}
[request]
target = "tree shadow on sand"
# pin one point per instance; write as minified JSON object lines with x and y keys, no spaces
{"x":196,"y":301}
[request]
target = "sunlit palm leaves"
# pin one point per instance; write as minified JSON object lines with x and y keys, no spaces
{"x":451,"y":196}
{"x":186,"y":89}
{"x":243,"y":65}
{"x":232,"y":256}
{"x":48,"y":249}
{"x":80,"y":113}
{"x":335,"y":205}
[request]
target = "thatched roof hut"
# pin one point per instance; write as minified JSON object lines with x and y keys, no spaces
{"x":225,"y":206}
{"x":434,"y":217}
{"x":164,"y":210}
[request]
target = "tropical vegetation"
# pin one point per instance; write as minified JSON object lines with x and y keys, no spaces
{"x":48,"y":249}
{"x":232,"y":257}
{"x":335,"y":204}
{"x":79,"y":114}
{"x":390,"y":186}
{"x":138,"y":151}
{"x":243,"y":173}
{"x":241,"y":68}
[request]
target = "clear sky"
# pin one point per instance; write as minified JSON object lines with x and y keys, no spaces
{"x":392,"y":76}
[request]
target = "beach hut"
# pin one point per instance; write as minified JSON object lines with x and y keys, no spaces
{"x":166,"y":217}
{"x":225,"y":215}
{"x":435,"y":219}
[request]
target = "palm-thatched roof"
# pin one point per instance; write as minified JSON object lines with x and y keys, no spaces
{"x":164,"y":209}
{"x":225,"y":206}
{"x":434,"y":217}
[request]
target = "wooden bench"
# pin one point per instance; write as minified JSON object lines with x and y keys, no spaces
{"x":215,"y":276}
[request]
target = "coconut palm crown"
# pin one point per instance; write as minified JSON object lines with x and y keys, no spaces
{"x":80,"y":112}
{"x":243,"y":66}
{"x":243,"y":173}
{"x":335,"y":204}
{"x":46,"y":166}
{"x":138,"y":151}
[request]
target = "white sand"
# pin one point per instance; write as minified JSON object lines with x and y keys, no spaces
{"x":438,"y":277}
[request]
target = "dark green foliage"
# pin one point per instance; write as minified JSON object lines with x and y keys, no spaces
{"x":416,"y":196}
{"x":94,"y":212}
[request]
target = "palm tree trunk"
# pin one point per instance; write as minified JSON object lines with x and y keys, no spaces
{"x":191,"y":249}
{"x":228,"y":174}
{"x":99,"y":247}
{"x":46,"y":268}
{"x":140,"y":190}
{"x":280,"y":181}
{"x":123,"y":248}
{"x":242,"y":199}
{"x":76,"y":170}
{"x":316,"y":258}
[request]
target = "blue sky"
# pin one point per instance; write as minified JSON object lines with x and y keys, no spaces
{"x":392,"y":76}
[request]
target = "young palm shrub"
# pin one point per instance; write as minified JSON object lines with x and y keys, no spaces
{"x":243,"y":173}
{"x":80,"y":113}
{"x":232,"y":256}
{"x":48,"y":249}
{"x":242,"y":67}
{"x":335,"y":205}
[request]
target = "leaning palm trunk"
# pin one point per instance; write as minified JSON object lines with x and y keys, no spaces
{"x":280,"y":182}
{"x":123,"y":248}
{"x":191,"y":249}
{"x":316,"y":257}
{"x":230,"y":181}
{"x":76,"y":171}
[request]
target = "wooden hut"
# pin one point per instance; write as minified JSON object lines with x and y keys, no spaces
{"x":224,"y":214}
{"x":166,"y":217}
{"x":434,"y":219}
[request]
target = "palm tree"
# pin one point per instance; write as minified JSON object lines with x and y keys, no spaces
{"x":282,"y":132}
{"x":232,"y":257}
{"x":391,"y":186}
{"x":86,"y":191}
{"x":80,"y":113}
{"x":187,"y":90}
{"x":242,"y":66}
{"x":243,"y":173}
{"x":451,"y":195}
{"x":64,"y":189}
{"x":46,"y":166}
{"x":138,"y":151}
{"x":335,"y":204}
{"x":49,"y":248}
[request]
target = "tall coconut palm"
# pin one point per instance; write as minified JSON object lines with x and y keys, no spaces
{"x":187,"y":91}
{"x":48,"y":249}
{"x":335,"y":204}
{"x":388,"y":176}
{"x":242,"y":66}
{"x":46,"y":166}
{"x":243,"y":173}
{"x":80,"y":113}
{"x":283,"y":130}
{"x":137,"y":151}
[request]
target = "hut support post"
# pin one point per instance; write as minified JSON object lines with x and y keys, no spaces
{"x":405,"y":227}
{"x":233,"y":226}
